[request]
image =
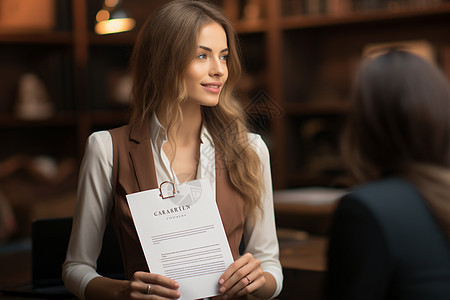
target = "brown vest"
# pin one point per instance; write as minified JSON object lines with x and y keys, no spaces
{"x":134,"y":171}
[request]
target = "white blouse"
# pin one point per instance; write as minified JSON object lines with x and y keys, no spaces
{"x":95,"y":200}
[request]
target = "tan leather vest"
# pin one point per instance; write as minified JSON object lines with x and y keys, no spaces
{"x":134,"y":171}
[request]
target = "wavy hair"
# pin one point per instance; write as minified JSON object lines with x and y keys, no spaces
{"x":400,"y":126}
{"x":165,"y":47}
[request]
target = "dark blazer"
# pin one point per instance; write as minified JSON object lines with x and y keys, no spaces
{"x":385,"y":244}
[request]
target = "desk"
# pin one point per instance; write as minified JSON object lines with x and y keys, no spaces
{"x":308,"y":255}
{"x":15,"y":268}
{"x":304,"y":267}
{"x":308,"y":209}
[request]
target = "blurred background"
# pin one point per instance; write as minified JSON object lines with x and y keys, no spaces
{"x":64,"y":74}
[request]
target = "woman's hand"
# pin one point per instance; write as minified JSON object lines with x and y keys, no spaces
{"x":242,"y":277}
{"x":145,"y":285}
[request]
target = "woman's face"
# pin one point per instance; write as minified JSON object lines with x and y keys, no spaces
{"x":208,"y":72}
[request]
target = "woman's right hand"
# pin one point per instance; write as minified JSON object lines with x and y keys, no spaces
{"x":146,"y":285}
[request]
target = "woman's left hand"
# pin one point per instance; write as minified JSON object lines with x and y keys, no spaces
{"x":242,"y":277}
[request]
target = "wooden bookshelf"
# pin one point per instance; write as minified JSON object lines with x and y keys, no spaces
{"x":300,"y":64}
{"x":309,"y":63}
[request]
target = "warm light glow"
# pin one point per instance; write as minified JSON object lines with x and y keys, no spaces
{"x":115,"y":25}
{"x":102,"y":15}
{"x":111,"y":3}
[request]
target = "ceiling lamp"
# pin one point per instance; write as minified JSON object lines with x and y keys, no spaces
{"x":112,"y":19}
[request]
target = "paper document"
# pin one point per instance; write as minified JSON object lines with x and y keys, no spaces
{"x":182,"y":236}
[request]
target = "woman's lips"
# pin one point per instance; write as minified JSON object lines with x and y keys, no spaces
{"x":212,"y":87}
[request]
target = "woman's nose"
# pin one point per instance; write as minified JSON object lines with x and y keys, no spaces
{"x":217,"y":68}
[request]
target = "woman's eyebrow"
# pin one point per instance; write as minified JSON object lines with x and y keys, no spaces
{"x":210,"y":50}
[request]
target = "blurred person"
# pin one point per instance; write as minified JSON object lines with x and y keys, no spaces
{"x":390,"y":236}
{"x":185,"y":125}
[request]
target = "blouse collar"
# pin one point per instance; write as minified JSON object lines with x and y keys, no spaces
{"x":158,"y":133}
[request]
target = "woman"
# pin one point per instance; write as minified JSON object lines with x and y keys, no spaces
{"x":390,"y":236}
{"x":185,"y":125}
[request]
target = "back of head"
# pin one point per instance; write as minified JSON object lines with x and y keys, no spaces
{"x":400,"y":126}
{"x":400,"y":116}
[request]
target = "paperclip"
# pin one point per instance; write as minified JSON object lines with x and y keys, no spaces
{"x":165,"y":191}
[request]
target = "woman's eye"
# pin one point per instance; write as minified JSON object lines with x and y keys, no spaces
{"x":201,"y":56}
{"x":224,"y":57}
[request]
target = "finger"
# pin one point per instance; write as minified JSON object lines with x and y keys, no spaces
{"x":250,"y":266}
{"x":236,"y":265}
{"x":253,"y":285}
{"x":161,"y":291}
{"x":163,"y":281}
{"x":239,"y":285}
{"x":253,"y":272}
{"x":241,"y":278}
{"x":158,"y":279}
{"x":155,"y":285}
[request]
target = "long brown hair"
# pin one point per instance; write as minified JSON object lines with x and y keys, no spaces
{"x":164,"y":48}
{"x":400,"y":126}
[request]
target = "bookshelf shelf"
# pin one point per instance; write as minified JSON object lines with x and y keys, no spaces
{"x":37,"y":38}
{"x":60,"y":119}
{"x":125,"y":39}
{"x":353,"y":18}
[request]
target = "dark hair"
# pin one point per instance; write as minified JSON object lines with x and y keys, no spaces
{"x":400,"y":126}
{"x":401,"y":108}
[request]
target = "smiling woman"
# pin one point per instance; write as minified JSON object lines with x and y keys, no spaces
{"x":185,"y":125}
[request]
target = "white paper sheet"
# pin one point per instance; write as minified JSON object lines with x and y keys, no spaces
{"x":183,"y":237}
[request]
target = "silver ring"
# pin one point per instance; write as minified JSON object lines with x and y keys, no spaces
{"x":149,"y":288}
